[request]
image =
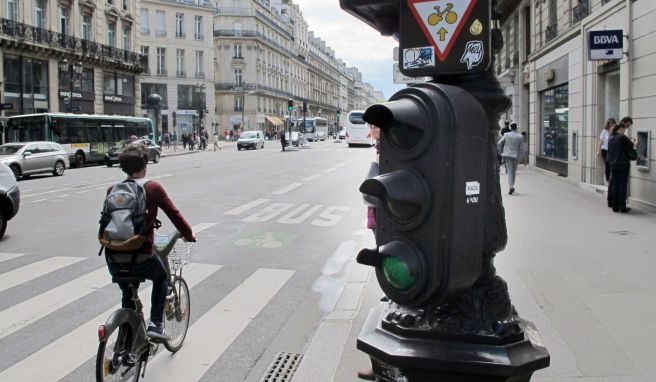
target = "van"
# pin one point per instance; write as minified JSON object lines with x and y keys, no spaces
{"x":357,"y":130}
{"x":250,"y":140}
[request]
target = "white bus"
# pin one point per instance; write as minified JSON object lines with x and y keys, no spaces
{"x":315,"y":129}
{"x":357,"y":130}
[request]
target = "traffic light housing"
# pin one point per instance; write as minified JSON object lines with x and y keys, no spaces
{"x":305,"y":107}
{"x":430,"y":211}
{"x":338,"y":113}
{"x":290,"y":104}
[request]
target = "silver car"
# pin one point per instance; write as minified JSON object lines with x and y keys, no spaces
{"x":28,"y":158}
{"x":9,"y":197}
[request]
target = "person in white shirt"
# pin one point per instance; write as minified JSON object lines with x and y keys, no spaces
{"x":511,"y":148}
{"x":603,"y":146}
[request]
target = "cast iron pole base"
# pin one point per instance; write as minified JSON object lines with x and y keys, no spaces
{"x":396,"y":358}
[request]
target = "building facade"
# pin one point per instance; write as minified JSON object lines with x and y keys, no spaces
{"x":70,"y":56}
{"x":177,"y":40}
{"x":562,"y":98}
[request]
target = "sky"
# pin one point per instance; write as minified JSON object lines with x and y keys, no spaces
{"x":354,"y":42}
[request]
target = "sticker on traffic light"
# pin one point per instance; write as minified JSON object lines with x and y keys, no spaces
{"x":434,"y":140}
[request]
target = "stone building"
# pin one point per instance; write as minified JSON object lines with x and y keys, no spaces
{"x":562,"y":98}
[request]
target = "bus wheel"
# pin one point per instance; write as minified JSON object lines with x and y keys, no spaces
{"x":79,"y":159}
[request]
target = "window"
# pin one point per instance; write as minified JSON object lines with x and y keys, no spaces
{"x":64,"y":22}
{"x":160,"y":23}
{"x":12,"y":10}
{"x":199,"y":64}
{"x":126,"y":5}
{"x":111,"y":34}
{"x":39,"y":14}
{"x":149,"y":88}
{"x":161,"y":61}
{"x":127,"y":37}
{"x":555,"y":116}
{"x":145,"y":26}
{"x":118,"y":84}
{"x":179,"y":25}
{"x":237,"y":51}
{"x":238,"y":78}
{"x":198,"y":27}
{"x":239,"y":103}
{"x":87,"y":80}
{"x":86,"y":26}
{"x":237,"y":29}
{"x":109,"y":83}
{"x":179,"y":62}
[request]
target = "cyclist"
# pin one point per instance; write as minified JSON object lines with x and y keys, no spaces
{"x":144,"y":263}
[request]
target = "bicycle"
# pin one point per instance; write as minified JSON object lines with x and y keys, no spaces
{"x":124,"y":347}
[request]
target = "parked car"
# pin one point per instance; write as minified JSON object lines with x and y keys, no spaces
{"x":250,"y":140}
{"x":154,"y":151}
{"x":28,"y":158}
{"x":9,"y":196}
{"x":297,"y":138}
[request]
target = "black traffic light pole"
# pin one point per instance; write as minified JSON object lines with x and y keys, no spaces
{"x":440,"y":217}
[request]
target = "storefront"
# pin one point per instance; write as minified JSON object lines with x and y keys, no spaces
{"x":25,"y":84}
{"x":118,"y":94}
{"x":552,"y":136}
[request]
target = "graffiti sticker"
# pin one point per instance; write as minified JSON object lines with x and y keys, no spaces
{"x":474,"y":54}
{"x":414,"y":58}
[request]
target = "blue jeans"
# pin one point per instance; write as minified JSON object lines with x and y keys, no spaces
{"x":152,"y":269}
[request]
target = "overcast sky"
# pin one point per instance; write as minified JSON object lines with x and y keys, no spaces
{"x":353,"y":41}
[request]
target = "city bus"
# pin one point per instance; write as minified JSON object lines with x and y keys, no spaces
{"x":316,"y":129}
{"x":86,"y":138}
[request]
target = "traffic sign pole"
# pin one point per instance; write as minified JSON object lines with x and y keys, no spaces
{"x":440,"y":218}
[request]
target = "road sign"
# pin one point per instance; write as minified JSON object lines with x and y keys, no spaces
{"x":7,"y":106}
{"x":606,"y":45}
{"x":444,"y":37}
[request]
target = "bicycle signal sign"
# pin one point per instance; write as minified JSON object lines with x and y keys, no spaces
{"x":444,"y":37}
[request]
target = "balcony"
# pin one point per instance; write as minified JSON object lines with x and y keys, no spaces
{"x":200,"y":75}
{"x":180,"y":35}
{"x":145,"y":31}
{"x":580,"y":11}
{"x":551,"y":32}
{"x":162,"y":73}
{"x":180,"y":74}
{"x":25,"y":34}
{"x":234,"y":33}
{"x":199,"y":37}
{"x":604,"y":2}
{"x":230,"y":11}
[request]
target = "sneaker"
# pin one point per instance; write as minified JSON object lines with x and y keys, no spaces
{"x":156,"y":331}
{"x":512,"y":190}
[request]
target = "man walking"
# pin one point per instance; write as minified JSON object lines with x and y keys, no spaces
{"x":511,"y":147}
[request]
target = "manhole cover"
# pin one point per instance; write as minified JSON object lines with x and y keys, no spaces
{"x":282,"y":368}
{"x":621,"y":233}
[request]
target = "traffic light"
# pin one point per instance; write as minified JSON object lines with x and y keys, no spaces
{"x":338,"y":113}
{"x":200,"y":114}
{"x":290,"y":104}
{"x":430,"y":211}
{"x":304,"y":107}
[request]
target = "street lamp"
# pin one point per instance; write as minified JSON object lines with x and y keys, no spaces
{"x":243,"y":105}
{"x":71,"y":73}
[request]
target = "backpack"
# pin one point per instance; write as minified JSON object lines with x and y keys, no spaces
{"x":123,"y":217}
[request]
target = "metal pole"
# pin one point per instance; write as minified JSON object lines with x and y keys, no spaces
{"x":243,"y":106}
{"x":71,"y":79}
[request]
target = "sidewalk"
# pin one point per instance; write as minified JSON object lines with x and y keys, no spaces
{"x":581,"y":273}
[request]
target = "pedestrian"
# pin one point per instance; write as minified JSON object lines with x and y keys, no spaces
{"x":602,"y":149}
{"x":174,"y":138}
{"x":283,"y":141}
{"x":620,"y":154}
{"x":216,"y":142}
{"x":184,"y":141}
{"x":510,"y":148}
{"x":167,"y":140}
{"x":197,"y":141}
{"x":202,"y":141}
{"x":231,"y":134}
{"x":504,"y":131}
{"x":506,"y":128}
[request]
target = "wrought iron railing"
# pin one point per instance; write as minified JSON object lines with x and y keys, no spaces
{"x":200,"y":75}
{"x":603,"y":2}
{"x":580,"y":11}
{"x":31,"y":34}
{"x":180,"y":74}
{"x":551,"y":32}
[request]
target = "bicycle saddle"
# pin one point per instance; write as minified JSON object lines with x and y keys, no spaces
{"x":128,"y":279}
{"x":163,"y":244}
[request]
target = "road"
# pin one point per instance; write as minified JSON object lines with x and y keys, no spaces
{"x":277,"y":233}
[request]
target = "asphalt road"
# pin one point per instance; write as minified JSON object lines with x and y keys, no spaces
{"x":277,"y":232}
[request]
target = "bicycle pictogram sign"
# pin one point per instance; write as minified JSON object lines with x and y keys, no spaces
{"x":438,"y":16}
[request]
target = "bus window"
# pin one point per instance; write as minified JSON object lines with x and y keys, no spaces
{"x":28,"y":129}
{"x":120,"y":132}
{"x":107,"y":134}
{"x":93,"y":129}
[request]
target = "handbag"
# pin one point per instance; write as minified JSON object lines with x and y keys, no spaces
{"x":632,"y":154}
{"x":371,"y":201}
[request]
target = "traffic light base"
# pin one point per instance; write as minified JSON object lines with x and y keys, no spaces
{"x":399,"y":358}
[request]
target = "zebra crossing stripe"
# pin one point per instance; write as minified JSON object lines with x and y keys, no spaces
{"x":211,"y":335}
{"x":57,"y":359}
{"x":32,"y":271}
{"x":29,"y":311}
{"x":9,"y":256}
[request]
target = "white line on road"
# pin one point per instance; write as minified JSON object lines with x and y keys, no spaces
{"x":30,"y":272}
{"x":246,"y":207}
{"x":29,"y":311}
{"x":74,"y":349}
{"x":63,"y":196}
{"x":9,"y":256}
{"x":39,"y":200}
{"x":201,"y":227}
{"x":313,"y":177}
{"x":329,"y":170}
{"x":83,"y":192}
{"x":288,"y":188}
{"x":204,"y":343}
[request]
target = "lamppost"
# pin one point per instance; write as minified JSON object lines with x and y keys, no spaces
{"x":154,"y":101}
{"x":243,"y":106}
{"x":71,"y":73}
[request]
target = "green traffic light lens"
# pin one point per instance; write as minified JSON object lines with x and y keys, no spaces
{"x":397,"y":273}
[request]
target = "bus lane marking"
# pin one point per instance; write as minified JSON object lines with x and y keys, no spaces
{"x":268,"y":213}
{"x":313,"y":177}
{"x":39,"y":200}
{"x":329,"y":170}
{"x":246,"y":207}
{"x":285,"y":190}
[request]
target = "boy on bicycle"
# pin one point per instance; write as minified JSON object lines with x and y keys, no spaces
{"x":144,"y":263}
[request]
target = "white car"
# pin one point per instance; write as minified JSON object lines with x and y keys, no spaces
{"x":250,"y":140}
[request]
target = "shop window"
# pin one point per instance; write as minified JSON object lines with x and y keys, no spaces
{"x":575,"y":145}
{"x":644,"y":150}
{"x":554,"y":122}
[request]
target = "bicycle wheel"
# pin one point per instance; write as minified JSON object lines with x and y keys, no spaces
{"x":177,"y":315}
{"x":114,"y":361}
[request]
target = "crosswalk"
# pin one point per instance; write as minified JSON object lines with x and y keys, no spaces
{"x":75,"y":350}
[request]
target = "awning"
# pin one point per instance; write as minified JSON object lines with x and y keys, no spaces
{"x":275,"y":121}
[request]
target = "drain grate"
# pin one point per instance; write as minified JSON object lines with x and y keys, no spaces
{"x":282,"y":368}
